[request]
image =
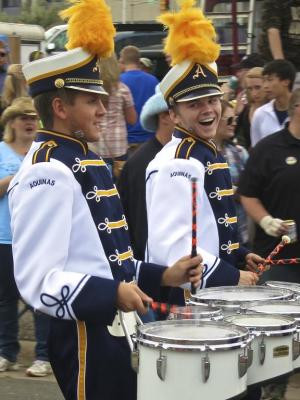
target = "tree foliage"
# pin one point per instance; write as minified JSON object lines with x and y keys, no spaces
{"x":40,"y":13}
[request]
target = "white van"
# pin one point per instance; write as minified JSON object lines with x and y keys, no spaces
{"x":32,"y":37}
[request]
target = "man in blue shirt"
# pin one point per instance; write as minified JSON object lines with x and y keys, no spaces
{"x":142,"y":86}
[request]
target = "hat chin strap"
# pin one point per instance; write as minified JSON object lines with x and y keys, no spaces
{"x":78,"y":134}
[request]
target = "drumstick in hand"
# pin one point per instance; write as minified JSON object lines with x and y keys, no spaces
{"x":194,"y":224}
{"x":284,"y":241}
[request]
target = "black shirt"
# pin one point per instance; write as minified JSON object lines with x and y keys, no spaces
{"x":132,"y":189}
{"x":272,"y":174}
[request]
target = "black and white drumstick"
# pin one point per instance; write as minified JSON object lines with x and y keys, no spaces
{"x":194,"y":224}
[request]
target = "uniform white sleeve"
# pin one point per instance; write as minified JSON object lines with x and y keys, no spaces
{"x":255,"y":130}
{"x":169,"y":210}
{"x":41,"y":219}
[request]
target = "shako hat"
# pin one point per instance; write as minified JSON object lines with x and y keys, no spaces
{"x":90,"y":36}
{"x":191,"y":44}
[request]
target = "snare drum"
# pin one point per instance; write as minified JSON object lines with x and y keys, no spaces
{"x":287,"y":308}
{"x":189,"y":359}
{"x":200,"y":312}
{"x":294,"y":287}
{"x":231,"y":298}
{"x":271,"y":347}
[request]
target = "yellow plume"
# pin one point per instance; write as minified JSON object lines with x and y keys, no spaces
{"x":191,"y":35}
{"x":90,"y":26}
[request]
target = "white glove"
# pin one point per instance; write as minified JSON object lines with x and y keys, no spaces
{"x":271,"y":225}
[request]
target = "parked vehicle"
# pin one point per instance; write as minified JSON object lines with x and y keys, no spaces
{"x":236,"y":23}
{"x":32,"y":37}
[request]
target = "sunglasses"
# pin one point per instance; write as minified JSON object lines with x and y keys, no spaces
{"x":2,"y":54}
{"x":230,"y":120}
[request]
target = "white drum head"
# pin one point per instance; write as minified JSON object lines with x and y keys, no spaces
{"x":240,"y":294}
{"x":294,"y":287}
{"x":283,"y":307}
{"x":262,"y":322}
{"x":190,"y":333}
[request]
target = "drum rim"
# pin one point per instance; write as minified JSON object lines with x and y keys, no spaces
{"x":196,"y":298}
{"x":210,"y":311}
{"x":149,"y":340}
{"x":295,"y":315}
{"x":284,"y":284}
{"x":289,"y":327}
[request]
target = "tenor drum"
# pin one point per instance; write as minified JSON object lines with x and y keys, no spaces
{"x":294,"y":287}
{"x":190,"y":359}
{"x":287,"y":308}
{"x":232,"y":298}
{"x":199,"y":312}
{"x":271,"y":350}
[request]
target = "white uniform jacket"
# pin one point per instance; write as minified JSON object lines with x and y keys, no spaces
{"x":169,"y":208}
{"x":265,"y":122}
{"x":70,"y":241}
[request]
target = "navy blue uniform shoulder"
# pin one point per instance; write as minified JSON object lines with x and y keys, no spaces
{"x":44,"y":152}
{"x":185,"y":147}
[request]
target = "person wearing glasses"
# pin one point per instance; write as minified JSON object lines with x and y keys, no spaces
{"x":236,"y":157}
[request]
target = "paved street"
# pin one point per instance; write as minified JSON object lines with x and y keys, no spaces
{"x":17,"y":386}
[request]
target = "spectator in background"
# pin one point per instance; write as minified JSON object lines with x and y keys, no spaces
{"x":280,"y":36}
{"x":146,"y":64}
{"x":14,"y":85}
{"x":113,"y":143}
{"x":131,"y":185}
{"x":256,"y":95}
{"x":249,"y":61}
{"x":236,"y":157}
{"x":279,"y":77}
{"x":269,"y":189}
{"x":36,"y":55}
{"x":142,"y":86}
{"x":20,"y":121}
{"x":3,"y":63}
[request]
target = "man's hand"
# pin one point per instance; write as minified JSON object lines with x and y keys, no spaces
{"x":252,"y":261}
{"x":247,"y":278}
{"x":131,"y":298}
{"x":273,"y":226}
{"x":185,"y":270}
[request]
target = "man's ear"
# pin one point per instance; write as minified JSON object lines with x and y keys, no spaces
{"x":174,"y":116}
{"x":59,"y":108}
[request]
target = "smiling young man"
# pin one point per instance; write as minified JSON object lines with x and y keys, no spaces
{"x":72,"y":255}
{"x":193,"y":95}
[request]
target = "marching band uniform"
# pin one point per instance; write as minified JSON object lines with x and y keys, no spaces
{"x":168,"y":178}
{"x":192,"y":93}
{"x":72,"y":279}
{"x":70,"y":236}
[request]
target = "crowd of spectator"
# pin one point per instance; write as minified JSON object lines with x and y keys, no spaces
{"x":258,"y":135}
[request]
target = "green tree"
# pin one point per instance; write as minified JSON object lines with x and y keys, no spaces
{"x":41,"y":13}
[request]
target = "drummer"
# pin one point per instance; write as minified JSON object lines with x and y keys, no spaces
{"x":193,"y":96}
{"x":72,"y":254}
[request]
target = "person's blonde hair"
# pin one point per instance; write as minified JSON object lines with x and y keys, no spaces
{"x":255,"y":72}
{"x":294,"y":101}
{"x":110,"y":72}
{"x":8,"y":133}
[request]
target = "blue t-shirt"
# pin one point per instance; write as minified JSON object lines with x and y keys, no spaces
{"x":142,"y":86}
{"x":10,"y":162}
